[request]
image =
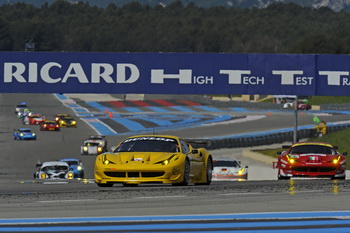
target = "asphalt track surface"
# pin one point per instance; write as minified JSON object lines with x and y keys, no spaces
{"x":22,"y":198}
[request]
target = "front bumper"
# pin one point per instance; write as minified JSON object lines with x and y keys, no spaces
{"x":136,"y":173}
{"x":309,"y":170}
{"x":27,"y":137}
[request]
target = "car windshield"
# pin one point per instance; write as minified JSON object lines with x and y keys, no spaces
{"x":148,"y":144}
{"x":21,"y":106}
{"x":312,"y":149}
{"x":92,"y":144}
{"x":25,"y":131}
{"x":55,"y":168}
{"x":226,"y":163}
{"x":72,"y":163}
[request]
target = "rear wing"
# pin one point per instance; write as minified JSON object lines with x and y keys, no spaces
{"x":199,"y":142}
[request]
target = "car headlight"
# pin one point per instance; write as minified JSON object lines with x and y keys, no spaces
{"x":99,"y":149}
{"x":70,"y":175}
{"x":21,"y":134}
{"x":291,"y":158}
{"x":335,"y":161}
{"x":74,"y":122}
{"x":61,"y":122}
{"x":33,"y":134}
{"x":241,"y":171}
{"x":79,"y":168}
{"x":43,"y":176}
{"x":168,"y":160}
{"x":85,"y":148}
{"x":105,"y":161}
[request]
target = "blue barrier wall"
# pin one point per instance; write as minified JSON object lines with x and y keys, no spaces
{"x":174,"y":73}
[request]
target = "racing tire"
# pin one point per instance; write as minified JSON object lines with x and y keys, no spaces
{"x":186,"y":175}
{"x":283,"y":177}
{"x":338,"y":178}
{"x":105,"y":185}
{"x":209,"y":172}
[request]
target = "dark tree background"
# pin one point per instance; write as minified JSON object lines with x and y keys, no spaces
{"x":279,"y":28}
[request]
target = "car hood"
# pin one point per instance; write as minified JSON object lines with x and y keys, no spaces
{"x":148,"y":157}
{"x":312,"y":157}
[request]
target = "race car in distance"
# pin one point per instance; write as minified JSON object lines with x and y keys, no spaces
{"x":301,"y":105}
{"x":54,"y":170}
{"x":229,"y":170}
{"x":311,"y":159}
{"x":90,"y":147}
{"x":76,"y":166}
{"x":24,"y":134}
{"x":154,"y":159}
{"x":100,"y":139}
{"x":59,"y":116}
{"x":20,"y":106}
{"x":23,"y":113}
{"x":67,"y":121}
{"x":34,"y":119}
{"x":49,"y":126}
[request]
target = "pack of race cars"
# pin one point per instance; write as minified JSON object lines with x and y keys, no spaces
{"x":169,"y":159}
{"x":65,"y":168}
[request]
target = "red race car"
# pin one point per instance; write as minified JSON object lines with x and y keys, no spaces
{"x":49,"y":126}
{"x":34,"y":119}
{"x":311,"y":159}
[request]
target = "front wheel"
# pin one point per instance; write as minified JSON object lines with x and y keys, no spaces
{"x":209,"y":172}
{"x":104,"y":185}
{"x":186,"y":174}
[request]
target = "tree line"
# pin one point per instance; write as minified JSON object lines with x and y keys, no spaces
{"x":279,"y":28}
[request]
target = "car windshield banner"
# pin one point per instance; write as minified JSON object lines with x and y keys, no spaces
{"x":174,"y":73}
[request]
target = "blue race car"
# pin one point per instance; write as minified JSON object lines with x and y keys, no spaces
{"x":24,"y":134}
{"x":76,"y":166}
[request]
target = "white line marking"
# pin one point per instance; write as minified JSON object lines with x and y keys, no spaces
{"x":58,"y":201}
{"x":159,"y":197}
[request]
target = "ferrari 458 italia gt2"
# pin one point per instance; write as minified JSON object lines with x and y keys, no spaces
{"x":49,"y":126}
{"x":311,"y":159}
{"x":68,"y":122}
{"x":154,"y":159}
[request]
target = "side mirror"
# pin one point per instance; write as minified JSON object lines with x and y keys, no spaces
{"x":246,"y":167}
{"x":113,"y":148}
{"x":195,"y":151}
{"x":279,"y":152}
{"x":345,"y":153}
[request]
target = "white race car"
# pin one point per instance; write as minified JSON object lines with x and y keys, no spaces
{"x":91,"y":147}
{"x":54,"y":170}
{"x":100,"y":139}
{"x":229,"y":170}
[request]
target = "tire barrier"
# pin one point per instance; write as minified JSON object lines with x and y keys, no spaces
{"x":265,"y":139}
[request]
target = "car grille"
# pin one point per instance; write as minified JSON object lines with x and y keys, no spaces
{"x":313,"y":169}
{"x":134,"y":174}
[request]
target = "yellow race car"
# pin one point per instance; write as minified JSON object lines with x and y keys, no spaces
{"x":154,"y":159}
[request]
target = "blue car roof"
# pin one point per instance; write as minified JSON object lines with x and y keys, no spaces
{"x":69,"y":159}
{"x":24,"y":129}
